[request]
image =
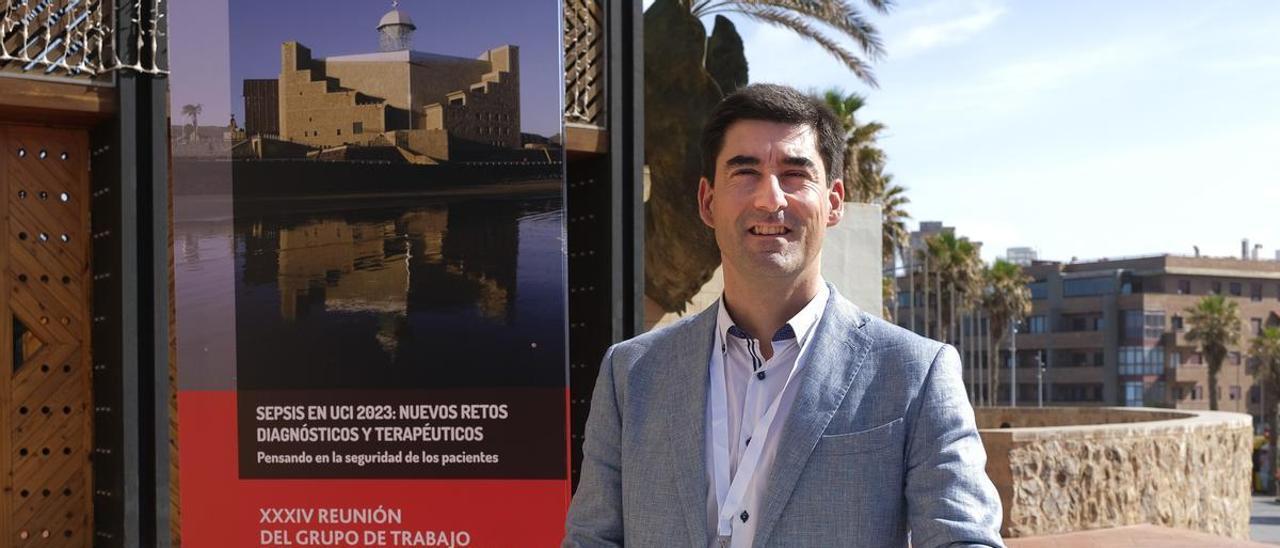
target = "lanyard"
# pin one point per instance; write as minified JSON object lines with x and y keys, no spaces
{"x":730,"y":494}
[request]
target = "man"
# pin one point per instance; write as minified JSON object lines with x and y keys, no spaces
{"x":783,"y":415}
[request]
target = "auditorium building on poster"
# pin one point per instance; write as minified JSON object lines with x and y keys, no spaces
{"x":430,"y":107}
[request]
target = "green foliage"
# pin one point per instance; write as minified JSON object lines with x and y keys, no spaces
{"x":1215,"y":324}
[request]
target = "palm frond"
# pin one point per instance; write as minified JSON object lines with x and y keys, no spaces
{"x":838,"y":14}
{"x":791,"y":21}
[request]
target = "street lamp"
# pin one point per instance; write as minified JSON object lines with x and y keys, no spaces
{"x":1040,"y":378}
{"x":1013,"y":362}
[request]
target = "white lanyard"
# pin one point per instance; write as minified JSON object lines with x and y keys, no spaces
{"x":729,"y":495}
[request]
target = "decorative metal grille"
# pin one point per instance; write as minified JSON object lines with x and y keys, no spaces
{"x":584,"y":53}
{"x":82,"y":39}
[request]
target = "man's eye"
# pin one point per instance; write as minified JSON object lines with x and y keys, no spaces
{"x":747,"y":172}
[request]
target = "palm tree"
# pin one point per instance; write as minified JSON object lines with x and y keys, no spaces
{"x":800,"y":16}
{"x":1264,"y":350}
{"x":958,"y":270}
{"x":193,"y":112}
{"x":894,"y":236}
{"x":1006,"y":298}
{"x":1215,"y":324}
{"x":864,"y":178}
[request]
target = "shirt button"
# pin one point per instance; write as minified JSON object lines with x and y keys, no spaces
{"x":760,"y":375}
{"x":743,"y":516}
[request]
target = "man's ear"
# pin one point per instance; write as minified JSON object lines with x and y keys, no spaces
{"x":836,"y":196}
{"x":705,"y":192}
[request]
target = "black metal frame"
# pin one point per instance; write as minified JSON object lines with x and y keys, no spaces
{"x":605,"y":221}
{"x":129,"y":211}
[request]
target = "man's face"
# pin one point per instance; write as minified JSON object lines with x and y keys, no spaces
{"x":770,"y":204}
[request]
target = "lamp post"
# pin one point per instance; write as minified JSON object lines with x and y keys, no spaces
{"x":1040,"y":378}
{"x":1013,"y":362}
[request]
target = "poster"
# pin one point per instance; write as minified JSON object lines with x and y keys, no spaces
{"x":370,"y":273}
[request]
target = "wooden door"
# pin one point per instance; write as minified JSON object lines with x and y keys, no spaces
{"x":45,"y":389}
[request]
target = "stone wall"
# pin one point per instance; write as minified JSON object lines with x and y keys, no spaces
{"x":1069,"y":469}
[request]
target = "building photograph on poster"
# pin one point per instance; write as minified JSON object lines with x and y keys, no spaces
{"x":369,"y":232}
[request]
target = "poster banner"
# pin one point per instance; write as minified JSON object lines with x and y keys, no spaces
{"x":370,"y":272}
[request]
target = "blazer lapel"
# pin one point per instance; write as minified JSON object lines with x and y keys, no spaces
{"x":685,"y":394}
{"x":834,"y":356}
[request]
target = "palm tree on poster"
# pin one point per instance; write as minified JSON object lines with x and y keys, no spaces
{"x":193,"y":112}
{"x":1264,"y":351}
{"x":1006,"y":298}
{"x":1215,"y":324}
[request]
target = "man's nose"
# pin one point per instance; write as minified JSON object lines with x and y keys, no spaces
{"x":769,"y":196}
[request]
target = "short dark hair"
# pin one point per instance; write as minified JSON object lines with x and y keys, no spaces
{"x":775,"y":103}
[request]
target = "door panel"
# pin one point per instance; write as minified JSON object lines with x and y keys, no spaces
{"x":45,"y":390}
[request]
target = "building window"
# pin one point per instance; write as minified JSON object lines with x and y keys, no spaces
{"x":1254,"y":393}
{"x":1184,"y":287}
{"x":1235,"y":358}
{"x":1216,"y":288}
{"x":1039,"y":290}
{"x":1133,"y":394}
{"x":1255,"y":292}
{"x":1085,"y":287}
{"x":1176,"y":321}
{"x":1037,"y":324}
{"x":339,"y":131}
{"x":1177,"y":393}
{"x":1197,"y":393}
{"x":1256,"y":324}
{"x":1138,"y":360}
{"x":1175,"y":359}
{"x":357,"y":127}
{"x":1196,"y":359}
{"x":1236,"y":289}
{"x":1234,"y":392}
{"x":1097,"y":359}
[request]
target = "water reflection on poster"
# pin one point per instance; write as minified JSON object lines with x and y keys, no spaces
{"x":370,"y":272}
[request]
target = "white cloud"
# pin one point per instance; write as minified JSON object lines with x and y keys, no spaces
{"x":955,"y":29}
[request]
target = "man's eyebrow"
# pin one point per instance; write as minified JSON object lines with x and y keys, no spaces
{"x":799,"y":161}
{"x":742,"y":160}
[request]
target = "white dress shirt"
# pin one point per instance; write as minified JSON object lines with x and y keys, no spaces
{"x":750,"y":387}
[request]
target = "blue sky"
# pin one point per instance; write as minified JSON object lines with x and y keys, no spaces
{"x":1089,"y":128}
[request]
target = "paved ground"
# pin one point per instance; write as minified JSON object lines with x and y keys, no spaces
{"x":1148,"y":536}
{"x":1264,"y":520}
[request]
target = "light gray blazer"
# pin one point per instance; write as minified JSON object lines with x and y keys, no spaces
{"x":880,"y":441}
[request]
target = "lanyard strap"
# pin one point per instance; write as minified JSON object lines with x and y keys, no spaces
{"x":729,"y":494}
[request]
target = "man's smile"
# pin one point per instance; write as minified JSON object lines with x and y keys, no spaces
{"x":769,"y":230}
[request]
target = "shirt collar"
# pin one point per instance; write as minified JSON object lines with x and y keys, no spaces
{"x":802,"y":323}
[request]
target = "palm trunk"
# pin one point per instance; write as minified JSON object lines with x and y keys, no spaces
{"x":911,"y":271}
{"x":1214,"y":369}
{"x":969,"y":352}
{"x":926,"y":295}
{"x":937,"y":309}
{"x":951,"y":322}
{"x":993,"y":369}
{"x":1269,"y":414}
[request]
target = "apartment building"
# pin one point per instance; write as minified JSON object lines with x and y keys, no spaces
{"x":1114,"y":332}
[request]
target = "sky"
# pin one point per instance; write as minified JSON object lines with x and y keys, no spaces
{"x":1084,"y":129}
{"x":204,"y":31}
